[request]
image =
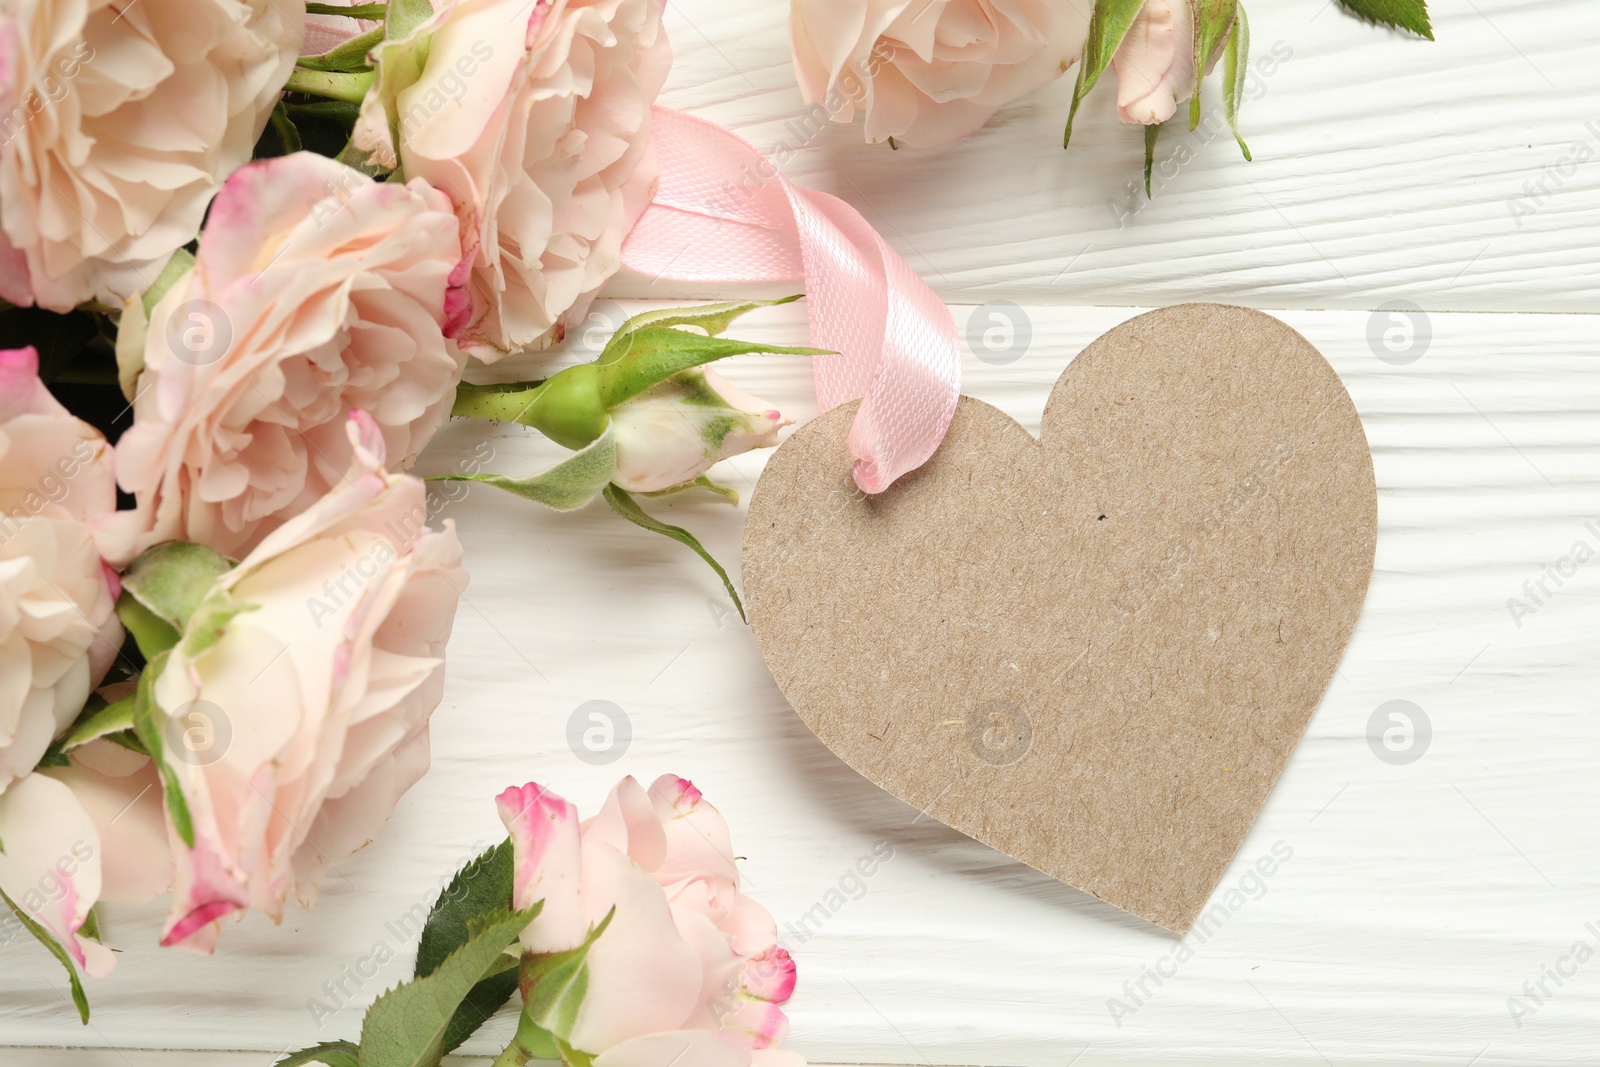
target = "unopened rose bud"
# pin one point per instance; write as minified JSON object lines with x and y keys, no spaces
{"x":675,"y":431}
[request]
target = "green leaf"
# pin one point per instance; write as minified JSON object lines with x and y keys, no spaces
{"x":1399,"y":14}
{"x":568,"y":485}
{"x":1107,"y":27}
{"x":1213,"y":21}
{"x":656,"y":353}
{"x":406,"y":1026}
{"x":57,"y":950}
{"x":481,"y":887}
{"x":712,"y":318}
{"x":148,"y":724}
{"x":1151,"y":132}
{"x":100,"y":721}
{"x":332,"y":1053}
{"x":1234,"y":76}
{"x":555,"y":983}
{"x":349,"y":56}
{"x":172,"y":579}
{"x":628,"y":508}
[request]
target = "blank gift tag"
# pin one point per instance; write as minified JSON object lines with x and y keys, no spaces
{"x":1094,"y":651}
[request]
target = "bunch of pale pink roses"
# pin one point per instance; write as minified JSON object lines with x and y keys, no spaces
{"x":278,"y":239}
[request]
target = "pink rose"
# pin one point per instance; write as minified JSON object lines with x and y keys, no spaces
{"x":58,"y":632}
{"x":1155,"y":62}
{"x":296,"y":704}
{"x":71,"y":837}
{"x":535,"y":118}
{"x":118,"y":121}
{"x":927,"y":72}
{"x":687,"y":966}
{"x":315,"y":290}
{"x":50,"y":865}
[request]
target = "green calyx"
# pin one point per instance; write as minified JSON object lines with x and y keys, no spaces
{"x":572,"y":407}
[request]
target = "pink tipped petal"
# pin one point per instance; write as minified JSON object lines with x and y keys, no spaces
{"x":203,"y":894}
{"x":769,"y":976}
{"x":50,"y":866}
{"x":698,"y":845}
{"x":545,"y":847}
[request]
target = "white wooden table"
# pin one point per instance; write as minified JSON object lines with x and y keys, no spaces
{"x":1420,"y":896}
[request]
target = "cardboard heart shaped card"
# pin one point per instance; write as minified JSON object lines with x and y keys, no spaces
{"x":1094,"y":651}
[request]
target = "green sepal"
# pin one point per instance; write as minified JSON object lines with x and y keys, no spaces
{"x":58,"y":950}
{"x":712,"y":318}
{"x":151,"y":633}
{"x":406,"y":1026}
{"x":288,"y":133}
{"x":655,"y":353}
{"x":1108,"y":25}
{"x":349,"y":56}
{"x":178,"y":264}
{"x":356,"y":11}
{"x":1236,"y":67}
{"x":1213,"y":19}
{"x":332,"y":1053}
{"x":148,"y":723}
{"x":208,"y":624}
{"x":727,"y":492}
{"x":555,"y":983}
{"x":171,"y":579}
{"x":624,"y":504}
{"x":1151,"y":132}
{"x":568,"y":485}
{"x":572,"y":1057}
{"x":1409,"y":15}
{"x":98,"y":721}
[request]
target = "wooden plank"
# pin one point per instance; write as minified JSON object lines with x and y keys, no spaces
{"x":1418,"y":899}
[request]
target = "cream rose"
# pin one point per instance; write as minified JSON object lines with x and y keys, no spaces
{"x":294,"y":709}
{"x":535,"y":119}
{"x":686,"y":969}
{"x":118,"y":121}
{"x":58,"y":632}
{"x":316,"y":290}
{"x":927,"y":72}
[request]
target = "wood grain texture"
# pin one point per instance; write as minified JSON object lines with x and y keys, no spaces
{"x":1419,"y":897}
{"x":1460,"y":174}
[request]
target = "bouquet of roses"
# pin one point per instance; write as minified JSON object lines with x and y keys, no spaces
{"x":248,"y":252}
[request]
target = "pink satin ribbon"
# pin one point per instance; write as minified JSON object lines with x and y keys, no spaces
{"x":723,"y":213}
